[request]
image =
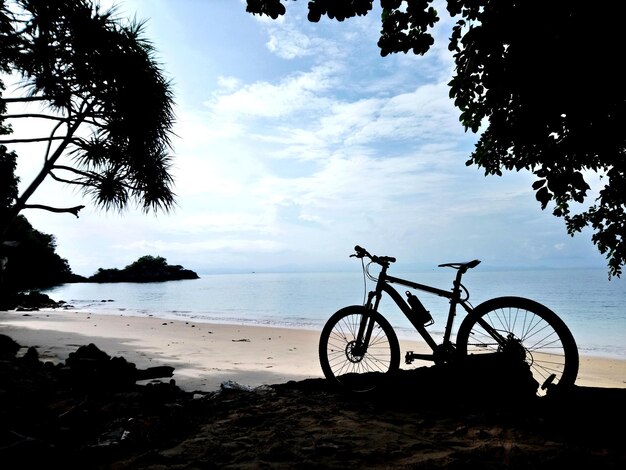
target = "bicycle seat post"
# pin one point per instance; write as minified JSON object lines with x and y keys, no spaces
{"x":456,"y":290}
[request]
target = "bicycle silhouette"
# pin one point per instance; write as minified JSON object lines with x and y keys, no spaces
{"x":358,"y":347}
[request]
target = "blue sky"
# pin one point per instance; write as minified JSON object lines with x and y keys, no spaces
{"x":296,"y":141}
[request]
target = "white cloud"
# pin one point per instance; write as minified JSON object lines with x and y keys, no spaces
{"x":262,"y":99}
{"x":289,"y":43}
{"x":228,"y":83}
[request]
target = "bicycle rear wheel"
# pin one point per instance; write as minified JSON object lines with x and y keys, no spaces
{"x":530,"y":331}
{"x":357,"y":367}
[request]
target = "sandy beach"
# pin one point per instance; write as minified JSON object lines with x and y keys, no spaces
{"x":205,"y":355}
{"x":81,"y":415}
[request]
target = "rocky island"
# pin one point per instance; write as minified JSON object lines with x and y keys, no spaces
{"x":145,"y":269}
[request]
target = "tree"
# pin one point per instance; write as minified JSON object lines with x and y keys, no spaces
{"x":539,"y":80}
{"x":108,"y":102}
{"x":33,"y":261}
{"x":8,"y":162}
{"x":147,"y":262}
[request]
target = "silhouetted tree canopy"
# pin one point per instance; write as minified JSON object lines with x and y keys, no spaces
{"x":32,"y":260}
{"x":540,"y":81}
{"x":8,"y":162}
{"x":104,"y":96}
{"x":147,"y":262}
{"x":8,"y":181}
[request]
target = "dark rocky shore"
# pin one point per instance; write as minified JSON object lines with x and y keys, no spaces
{"x":25,"y":301}
{"x":96,"y":412}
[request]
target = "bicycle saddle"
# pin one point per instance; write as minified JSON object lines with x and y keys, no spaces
{"x":466,"y":265}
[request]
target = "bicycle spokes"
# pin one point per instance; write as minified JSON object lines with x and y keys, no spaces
{"x":350,"y":357}
{"x":347,"y":354}
{"x":523,"y":334}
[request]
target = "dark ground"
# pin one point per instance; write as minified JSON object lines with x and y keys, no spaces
{"x":92,"y":412}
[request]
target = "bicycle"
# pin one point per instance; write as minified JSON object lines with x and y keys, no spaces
{"x":358,"y":347}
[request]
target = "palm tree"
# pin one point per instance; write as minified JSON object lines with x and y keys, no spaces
{"x":105,"y":96}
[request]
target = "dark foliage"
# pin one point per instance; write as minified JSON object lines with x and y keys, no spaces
{"x":8,"y":182}
{"x":32,"y":261}
{"x":8,"y":162}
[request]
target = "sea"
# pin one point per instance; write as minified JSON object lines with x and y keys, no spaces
{"x":592,"y":306}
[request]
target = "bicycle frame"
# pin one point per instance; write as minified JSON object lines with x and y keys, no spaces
{"x":383,"y":284}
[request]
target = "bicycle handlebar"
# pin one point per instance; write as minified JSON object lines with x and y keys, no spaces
{"x":363,"y":253}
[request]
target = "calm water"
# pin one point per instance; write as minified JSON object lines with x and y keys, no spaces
{"x":593,"y":307}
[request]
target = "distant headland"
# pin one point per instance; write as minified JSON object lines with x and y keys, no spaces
{"x":145,"y":269}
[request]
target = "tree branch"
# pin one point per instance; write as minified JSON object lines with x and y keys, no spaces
{"x":63,"y":180}
{"x":74,"y":170}
{"x":71,"y":210}
{"x":34,"y":139}
{"x":26,"y":99}
{"x":35,"y":115}
{"x":49,"y":146}
{"x":86,"y":174}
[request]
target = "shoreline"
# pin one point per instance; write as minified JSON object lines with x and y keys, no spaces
{"x":205,"y":355}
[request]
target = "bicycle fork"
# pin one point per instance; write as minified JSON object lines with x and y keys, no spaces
{"x":366,"y":327}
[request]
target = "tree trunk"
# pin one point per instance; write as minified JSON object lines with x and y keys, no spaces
{"x":45,"y":171}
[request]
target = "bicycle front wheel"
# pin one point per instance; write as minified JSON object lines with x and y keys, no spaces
{"x":530,"y":331}
{"x":355,"y":366}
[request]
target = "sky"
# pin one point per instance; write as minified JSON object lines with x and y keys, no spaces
{"x":295,"y":141}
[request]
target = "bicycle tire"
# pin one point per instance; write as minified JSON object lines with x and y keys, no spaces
{"x":547,"y":345}
{"x":336,"y":346}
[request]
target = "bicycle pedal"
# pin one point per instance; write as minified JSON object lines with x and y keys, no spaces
{"x":408,"y":357}
{"x":548,"y":382}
